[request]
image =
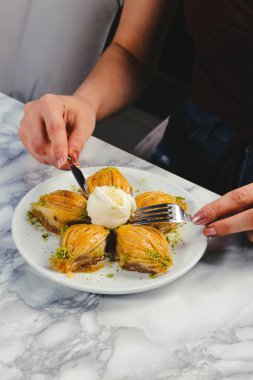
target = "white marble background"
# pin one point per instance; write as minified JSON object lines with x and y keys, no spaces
{"x":198,"y":327}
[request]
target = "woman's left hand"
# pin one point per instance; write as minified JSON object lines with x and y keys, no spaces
{"x":231,"y":213}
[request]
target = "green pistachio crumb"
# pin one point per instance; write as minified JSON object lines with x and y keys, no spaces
{"x":156,"y":257}
{"x":165,"y":263}
{"x":41,"y":201}
{"x":63,"y":229}
{"x":85,"y":213}
{"x":174,"y":238}
{"x":62,"y":253}
{"x":34,"y":221}
{"x":125,"y":258}
{"x":110,"y":275}
{"x":76,"y":189}
{"x":45,"y":236}
{"x":178,"y":198}
{"x":31,"y":218}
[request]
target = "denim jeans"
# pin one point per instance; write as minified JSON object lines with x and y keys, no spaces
{"x":193,"y":144}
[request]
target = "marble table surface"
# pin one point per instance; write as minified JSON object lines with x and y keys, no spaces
{"x":198,"y":327}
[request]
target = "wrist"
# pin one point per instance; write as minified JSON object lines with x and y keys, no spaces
{"x":87,"y":100}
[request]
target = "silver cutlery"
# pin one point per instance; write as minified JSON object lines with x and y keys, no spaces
{"x":77,"y":173}
{"x":165,"y":212}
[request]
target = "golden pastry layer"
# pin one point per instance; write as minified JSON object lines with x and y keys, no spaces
{"x":82,"y":249}
{"x":142,"y":249}
{"x":58,"y":209}
{"x":109,"y":176}
{"x":151,"y":198}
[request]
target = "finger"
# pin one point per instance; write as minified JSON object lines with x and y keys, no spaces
{"x":35,"y":139}
{"x":53,"y":114}
{"x":250,"y":236}
{"x":237,"y":223}
{"x":230,"y":203}
{"x":78,"y":135}
{"x":35,"y":136}
{"x":41,"y":158}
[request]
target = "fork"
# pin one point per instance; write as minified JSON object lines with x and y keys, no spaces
{"x":78,"y":176}
{"x":164,"y":212}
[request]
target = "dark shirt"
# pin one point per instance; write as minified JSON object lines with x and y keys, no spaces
{"x":223,"y":78}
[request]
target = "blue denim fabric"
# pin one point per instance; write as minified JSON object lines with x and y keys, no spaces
{"x":193,"y":143}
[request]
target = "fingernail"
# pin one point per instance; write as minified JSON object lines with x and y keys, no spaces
{"x":75,"y":155}
{"x":59,"y":161}
{"x":210,"y":231}
{"x":200,"y":218}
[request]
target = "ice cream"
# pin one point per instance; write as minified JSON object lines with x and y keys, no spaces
{"x":110,"y":207}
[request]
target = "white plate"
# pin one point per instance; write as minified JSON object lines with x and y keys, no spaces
{"x":36,"y":250}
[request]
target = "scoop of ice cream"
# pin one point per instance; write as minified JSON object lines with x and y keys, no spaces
{"x":110,"y":207}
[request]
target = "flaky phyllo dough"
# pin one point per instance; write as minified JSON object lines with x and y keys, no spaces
{"x":58,"y":209}
{"x":81,"y":249}
{"x":108,"y":177}
{"x":151,"y":198}
{"x":142,"y":249}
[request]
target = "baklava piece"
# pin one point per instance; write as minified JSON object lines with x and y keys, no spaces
{"x":82,"y":249}
{"x":59,"y":209}
{"x":151,"y":198}
{"x":109,"y":176}
{"x":142,"y":249}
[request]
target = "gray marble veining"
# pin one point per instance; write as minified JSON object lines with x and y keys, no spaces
{"x":198,"y":327}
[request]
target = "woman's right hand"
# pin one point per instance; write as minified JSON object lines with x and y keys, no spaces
{"x":56,"y":126}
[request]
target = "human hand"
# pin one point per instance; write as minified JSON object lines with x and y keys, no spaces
{"x":233,"y":212}
{"x":56,"y":126}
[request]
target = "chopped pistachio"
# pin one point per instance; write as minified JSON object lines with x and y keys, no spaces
{"x":76,"y":189}
{"x":31,"y":218}
{"x":156,"y":256}
{"x":174,"y":238}
{"x":45,"y":236}
{"x":63,"y":229}
{"x":85,"y":213}
{"x":178,"y":198}
{"x":41,"y":201}
{"x":62,"y":253}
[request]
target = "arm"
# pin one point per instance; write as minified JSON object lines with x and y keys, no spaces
{"x":126,"y":67}
{"x":56,"y":125}
{"x":233,"y":212}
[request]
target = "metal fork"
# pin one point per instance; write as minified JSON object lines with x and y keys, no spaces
{"x":164,"y":212}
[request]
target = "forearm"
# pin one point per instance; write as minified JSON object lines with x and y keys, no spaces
{"x":125,"y":68}
{"x":116,"y":81}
